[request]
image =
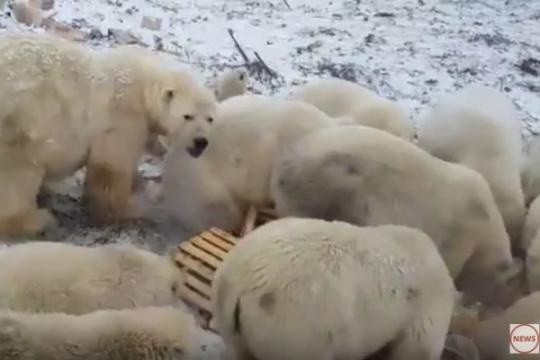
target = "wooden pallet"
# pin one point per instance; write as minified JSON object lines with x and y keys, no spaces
{"x":200,"y":257}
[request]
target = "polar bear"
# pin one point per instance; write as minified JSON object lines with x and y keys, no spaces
{"x":532,"y":224}
{"x":146,"y":333}
{"x":231,"y":83}
{"x":492,"y":335}
{"x":530,"y":171}
{"x":367,"y":177}
{"x":479,"y":128}
{"x":60,"y":277}
{"x":65,"y":106}
{"x":233,"y":173}
{"x":531,"y":242}
{"x":337,"y":97}
{"x":311,"y":289}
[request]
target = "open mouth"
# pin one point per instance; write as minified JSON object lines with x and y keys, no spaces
{"x":195,"y":151}
{"x":199,"y":144}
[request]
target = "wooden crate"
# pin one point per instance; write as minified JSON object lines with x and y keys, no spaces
{"x":200,"y":257}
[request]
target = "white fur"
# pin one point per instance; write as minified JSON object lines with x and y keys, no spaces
{"x":337,"y":97}
{"x":147,"y":333}
{"x":531,"y":241}
{"x":60,"y":277}
{"x":368,"y":177}
{"x":234,"y":172}
{"x":530,"y":173}
{"x":28,"y":12}
{"x":231,"y":83}
{"x":64,"y":106}
{"x":311,"y":289}
{"x":479,"y":128}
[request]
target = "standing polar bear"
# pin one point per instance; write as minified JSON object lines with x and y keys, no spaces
{"x":148,"y":333}
{"x":367,"y":177}
{"x":65,"y":106}
{"x":60,"y":277}
{"x":337,"y":97}
{"x":478,"y":127}
{"x":531,"y":243}
{"x":233,"y":173}
{"x":491,"y":335}
{"x":530,"y":171}
{"x":311,"y":289}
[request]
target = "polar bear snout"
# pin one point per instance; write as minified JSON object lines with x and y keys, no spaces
{"x":198,"y":146}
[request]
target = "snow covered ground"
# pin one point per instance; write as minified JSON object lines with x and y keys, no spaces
{"x":408,"y":50}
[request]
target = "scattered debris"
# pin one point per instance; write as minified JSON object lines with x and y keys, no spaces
{"x":491,"y":39}
{"x":340,"y":71}
{"x":384,"y":14}
{"x":309,"y":48}
{"x":151,"y":23}
{"x":257,"y":67}
{"x":287,"y":4}
{"x":123,"y":37}
{"x":47,"y":5}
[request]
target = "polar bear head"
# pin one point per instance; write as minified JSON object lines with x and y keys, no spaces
{"x":232,"y":83}
{"x":494,"y":283}
{"x":178,"y":106}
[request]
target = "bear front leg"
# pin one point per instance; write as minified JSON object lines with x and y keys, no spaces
{"x":19,"y":215}
{"x":111,"y":168}
{"x":107,"y":192}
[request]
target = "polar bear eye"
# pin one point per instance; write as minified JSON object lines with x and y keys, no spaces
{"x":241,"y":77}
{"x":188,"y":117}
{"x":210,"y":119}
{"x":169,"y":95}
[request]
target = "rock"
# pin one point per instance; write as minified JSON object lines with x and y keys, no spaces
{"x":47,"y":4}
{"x":151,"y":23}
{"x":530,"y":66}
{"x":458,"y":347}
{"x":95,"y":34}
{"x":122,"y":37}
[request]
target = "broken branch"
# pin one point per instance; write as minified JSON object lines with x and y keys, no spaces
{"x":238,"y":47}
{"x":270,"y":72}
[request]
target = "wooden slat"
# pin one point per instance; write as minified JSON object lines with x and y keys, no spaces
{"x":198,"y":285}
{"x":224,"y":235}
{"x":210,"y":250}
{"x":217,"y":242}
{"x":199,"y":256}
{"x":196,"y":299}
{"x":202,"y":255}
